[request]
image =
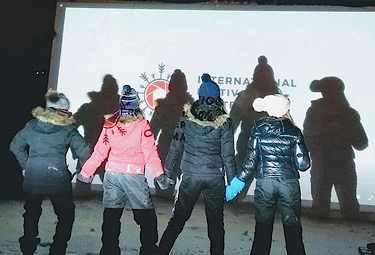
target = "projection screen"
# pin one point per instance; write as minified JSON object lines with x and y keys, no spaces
{"x":142,"y":44}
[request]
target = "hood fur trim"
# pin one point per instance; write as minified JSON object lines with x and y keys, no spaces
{"x":112,"y":119}
{"x":218,"y":122}
{"x":47,"y":116}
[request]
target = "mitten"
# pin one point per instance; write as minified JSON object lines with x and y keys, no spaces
{"x":81,"y":178}
{"x":164,"y":182}
{"x":234,"y":187}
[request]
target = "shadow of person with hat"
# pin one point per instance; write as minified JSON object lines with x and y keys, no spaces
{"x":91,"y":117}
{"x":242,"y":113}
{"x":332,"y":131}
{"x":165,"y":118}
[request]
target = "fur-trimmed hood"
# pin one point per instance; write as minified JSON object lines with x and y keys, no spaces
{"x":219,"y":120}
{"x":52,"y":117}
{"x":114,"y":118}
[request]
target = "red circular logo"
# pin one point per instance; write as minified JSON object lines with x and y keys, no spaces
{"x":156,"y":89}
{"x":148,"y":133}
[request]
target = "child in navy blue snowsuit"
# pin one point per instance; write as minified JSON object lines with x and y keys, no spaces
{"x":276,"y":153}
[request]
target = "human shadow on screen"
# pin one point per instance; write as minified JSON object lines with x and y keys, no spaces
{"x":332,"y":130}
{"x":243,"y":114}
{"x":165,"y":118}
{"x":91,"y":117}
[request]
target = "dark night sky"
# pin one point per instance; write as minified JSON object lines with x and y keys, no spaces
{"x":25,"y":47}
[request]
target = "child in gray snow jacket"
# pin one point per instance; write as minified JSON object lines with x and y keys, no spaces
{"x":204,"y":140}
{"x":41,"y":148}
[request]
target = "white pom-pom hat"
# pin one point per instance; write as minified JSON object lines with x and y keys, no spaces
{"x":275,"y":105}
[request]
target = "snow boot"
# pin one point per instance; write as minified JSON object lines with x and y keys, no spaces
{"x":65,"y":216}
{"x":28,"y":245}
{"x":262,"y":239}
{"x":111,"y":229}
{"x":146,"y":219}
{"x":293,"y":240}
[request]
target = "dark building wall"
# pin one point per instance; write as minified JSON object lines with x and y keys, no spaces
{"x":25,"y":47}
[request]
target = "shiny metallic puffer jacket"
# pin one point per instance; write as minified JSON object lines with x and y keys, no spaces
{"x":276,"y":149}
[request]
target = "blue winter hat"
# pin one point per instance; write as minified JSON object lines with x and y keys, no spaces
{"x":129,"y":98}
{"x":208,"y":88}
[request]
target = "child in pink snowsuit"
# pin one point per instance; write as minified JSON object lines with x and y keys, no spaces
{"x":129,"y":145}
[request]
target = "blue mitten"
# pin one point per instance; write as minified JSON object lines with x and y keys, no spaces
{"x":234,"y":187}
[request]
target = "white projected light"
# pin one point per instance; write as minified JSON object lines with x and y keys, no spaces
{"x":142,"y":45}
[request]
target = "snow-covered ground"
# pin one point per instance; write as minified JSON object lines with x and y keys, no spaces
{"x":321,"y":237}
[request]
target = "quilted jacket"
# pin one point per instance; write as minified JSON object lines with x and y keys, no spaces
{"x":206,"y":147}
{"x":41,"y":148}
{"x":276,"y":149}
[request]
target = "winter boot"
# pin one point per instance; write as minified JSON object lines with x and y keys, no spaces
{"x":33,"y":210}
{"x":65,"y":212}
{"x":146,"y":219}
{"x":371,"y":247}
{"x":65,"y":216}
{"x":262,"y":239}
{"x":174,"y":228}
{"x":111,"y":229}
{"x":28,"y":245}
{"x":216,"y":235}
{"x":293,"y":240}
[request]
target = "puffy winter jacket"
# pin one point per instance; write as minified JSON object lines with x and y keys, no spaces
{"x":207,"y":147}
{"x":276,"y":149}
{"x":129,"y":146}
{"x":41,"y":148}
